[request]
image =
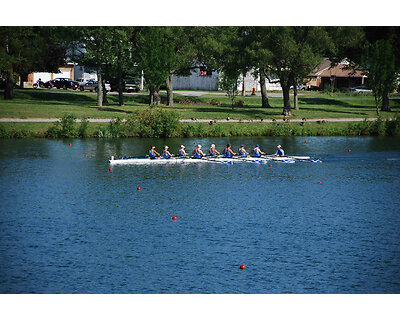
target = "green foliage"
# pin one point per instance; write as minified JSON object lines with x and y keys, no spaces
{"x":380,"y":61}
{"x":83,"y":128}
{"x":156,"y":57}
{"x":66,"y":128}
{"x":153,"y":123}
{"x":393,"y":126}
{"x":229,"y":82}
{"x":114,"y":129}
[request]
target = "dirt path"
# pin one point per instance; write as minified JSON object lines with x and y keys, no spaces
{"x":202,"y":120}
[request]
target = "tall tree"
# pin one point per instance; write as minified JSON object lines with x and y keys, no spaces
{"x":27,"y":49}
{"x":93,"y":48}
{"x":155,"y":58}
{"x":183,"y":58}
{"x":380,"y":62}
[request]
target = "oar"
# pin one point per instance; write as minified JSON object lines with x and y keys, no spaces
{"x":217,"y":160}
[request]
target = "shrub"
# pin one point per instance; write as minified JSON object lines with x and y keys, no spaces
{"x":114,"y":129}
{"x":393,"y":126}
{"x":64,"y":128}
{"x":83,"y":128}
{"x":153,"y":123}
{"x":214,"y":102}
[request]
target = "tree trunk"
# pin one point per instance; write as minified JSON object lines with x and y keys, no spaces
{"x":99,"y":89}
{"x":264,"y":97}
{"x":385,"y":102}
{"x":286,"y":100}
{"x":243,"y":84}
{"x":295,"y":100}
{"x":9,"y":89}
{"x":170,"y":94}
{"x":154,"y":95}
{"x":157,"y":97}
{"x":103,"y":85}
{"x":120,"y":94}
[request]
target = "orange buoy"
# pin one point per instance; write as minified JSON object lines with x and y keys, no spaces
{"x":139,"y":188}
{"x":174,"y":218}
{"x":242,"y":266}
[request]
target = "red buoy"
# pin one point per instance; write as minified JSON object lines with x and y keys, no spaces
{"x":174,"y":217}
{"x":242,"y":266}
{"x":110,"y":169}
{"x":194,"y":142}
{"x":349,"y":150}
{"x":319,"y":182}
{"x":85,"y":155}
{"x":270,"y":165}
{"x":139,"y":188}
{"x":305,"y":141}
{"x":70,"y":144}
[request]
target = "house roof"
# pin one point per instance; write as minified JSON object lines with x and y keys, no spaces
{"x":340,"y":70}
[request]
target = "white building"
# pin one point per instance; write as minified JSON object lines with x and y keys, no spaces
{"x":203,"y":79}
{"x":199,"y":79}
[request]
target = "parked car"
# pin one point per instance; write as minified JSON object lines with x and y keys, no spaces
{"x":92,"y":86}
{"x":127,"y":85}
{"x":65,"y":83}
{"x":82,"y":81}
{"x":361,"y":89}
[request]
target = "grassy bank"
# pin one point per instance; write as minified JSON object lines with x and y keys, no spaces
{"x":120,"y":129}
{"x":37,"y":103}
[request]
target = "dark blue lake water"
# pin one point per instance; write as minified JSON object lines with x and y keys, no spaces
{"x":69,"y":225}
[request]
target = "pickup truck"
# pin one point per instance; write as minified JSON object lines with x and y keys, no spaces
{"x":92,"y":86}
{"x":127,"y":85}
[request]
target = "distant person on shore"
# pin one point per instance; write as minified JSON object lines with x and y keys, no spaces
{"x":182,"y":152}
{"x":257,"y":151}
{"x":213,"y":151}
{"x":242,"y":151}
{"x":279,"y":152}
{"x":166,"y":153}
{"x":228,"y":153}
{"x":153,"y":153}
{"x":198,"y":153}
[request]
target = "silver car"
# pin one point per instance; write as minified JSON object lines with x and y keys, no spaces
{"x":92,"y":86}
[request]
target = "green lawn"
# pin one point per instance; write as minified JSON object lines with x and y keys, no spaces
{"x":36,"y":103}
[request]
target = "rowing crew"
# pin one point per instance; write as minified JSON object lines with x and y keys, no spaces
{"x":213,"y":152}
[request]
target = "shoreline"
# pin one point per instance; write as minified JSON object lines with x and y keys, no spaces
{"x":106,"y":120}
{"x":110,"y":128}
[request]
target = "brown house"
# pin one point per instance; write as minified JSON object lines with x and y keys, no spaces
{"x":340,"y":76}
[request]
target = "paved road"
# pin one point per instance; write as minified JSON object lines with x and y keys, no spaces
{"x":199,"y":120}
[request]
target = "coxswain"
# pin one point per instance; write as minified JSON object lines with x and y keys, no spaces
{"x":257,"y":151}
{"x":279,"y":152}
{"x":198,"y":153}
{"x":182,"y":152}
{"x":228,"y":153}
{"x":153,"y":153}
{"x":213,"y":151}
{"x":242,"y":151}
{"x":166,"y":154}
